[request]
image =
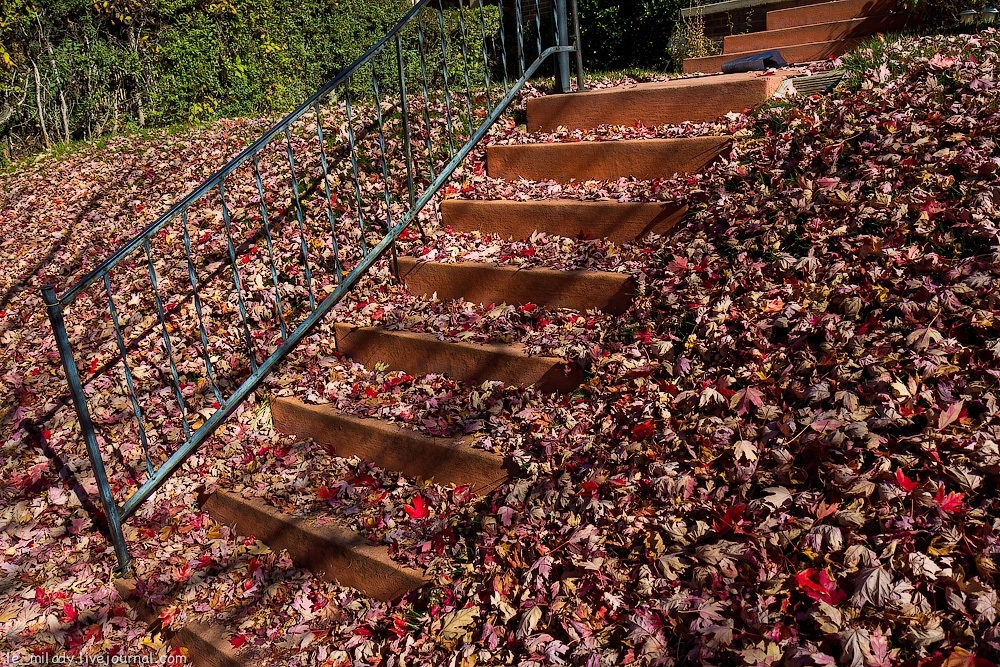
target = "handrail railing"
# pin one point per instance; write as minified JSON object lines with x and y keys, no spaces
{"x":242,"y":268}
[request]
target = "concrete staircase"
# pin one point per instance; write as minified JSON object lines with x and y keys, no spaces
{"x":810,"y":33}
{"x":341,"y":555}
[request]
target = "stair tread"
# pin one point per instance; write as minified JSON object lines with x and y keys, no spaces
{"x":814,"y":32}
{"x":794,"y":53}
{"x":484,"y":283}
{"x":422,"y":354}
{"x":392,"y":447}
{"x":822,"y":12}
{"x":338,"y":553}
{"x":654,"y":103}
{"x":644,"y":159}
{"x":616,"y":221}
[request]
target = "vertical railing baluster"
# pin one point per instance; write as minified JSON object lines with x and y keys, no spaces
{"x":538,"y":28}
{"x":270,"y":248}
{"x":166,"y":340}
{"x":237,"y":283}
{"x":385,"y":166}
{"x":300,"y":215}
{"x":486,"y":57}
{"x":427,"y":97}
{"x":405,"y":110}
{"x":198,"y":311}
{"x":561,"y":28}
{"x":503,"y":46}
{"x":465,"y":69}
{"x":447,"y":86}
{"x":382,"y":148}
{"x":111,"y":509}
{"x":578,"y":48}
{"x":329,"y":199}
{"x":519,"y":19}
{"x":354,"y":166}
{"x":130,"y":385}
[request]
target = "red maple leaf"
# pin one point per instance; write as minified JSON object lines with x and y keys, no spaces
{"x":238,"y":641}
{"x":949,"y":502}
{"x":325,"y":493}
{"x":418,"y":510}
{"x":729,"y":520}
{"x":642,"y":430}
{"x":528,"y":307}
{"x":818,"y":585}
{"x":905,"y":482}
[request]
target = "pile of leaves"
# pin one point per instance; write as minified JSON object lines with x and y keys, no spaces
{"x":786,"y":451}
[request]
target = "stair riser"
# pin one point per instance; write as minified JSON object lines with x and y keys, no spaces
{"x":618,"y":222}
{"x":802,"y":53}
{"x":445,"y":460}
{"x":421,"y":354}
{"x":827,"y":12}
{"x":340,"y":555}
{"x":650,"y":104}
{"x":603,"y":160}
{"x":824,"y":32}
{"x":484,"y":284}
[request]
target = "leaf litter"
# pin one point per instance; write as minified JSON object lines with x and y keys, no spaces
{"x":785,"y":451}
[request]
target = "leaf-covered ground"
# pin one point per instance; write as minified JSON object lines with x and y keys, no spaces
{"x":785,"y":452}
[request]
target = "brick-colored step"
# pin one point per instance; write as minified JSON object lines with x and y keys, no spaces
{"x":339,"y":554}
{"x":827,"y":12}
{"x":445,"y":460}
{"x":603,"y":160}
{"x":421,"y":354}
{"x":206,"y":645}
{"x":620,"y":222}
{"x":821,"y":32}
{"x":488,"y":283}
{"x":799,"y":53}
{"x":659,"y":103}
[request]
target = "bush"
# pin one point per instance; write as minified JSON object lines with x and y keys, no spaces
{"x":620,"y":35}
{"x":73,"y":69}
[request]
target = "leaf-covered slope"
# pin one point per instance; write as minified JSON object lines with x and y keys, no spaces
{"x":785,"y":452}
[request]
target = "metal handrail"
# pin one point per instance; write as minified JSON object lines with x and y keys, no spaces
{"x":384,"y":102}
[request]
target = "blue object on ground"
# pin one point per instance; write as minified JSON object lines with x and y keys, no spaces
{"x":755,"y":63}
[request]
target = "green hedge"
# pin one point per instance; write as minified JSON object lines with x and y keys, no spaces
{"x":103,"y":65}
{"x":620,"y":35}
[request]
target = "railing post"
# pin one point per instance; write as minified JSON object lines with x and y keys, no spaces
{"x":54,"y":309}
{"x":578,"y":48}
{"x":562,"y":34}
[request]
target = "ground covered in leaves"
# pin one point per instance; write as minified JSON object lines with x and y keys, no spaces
{"x":785,"y":452}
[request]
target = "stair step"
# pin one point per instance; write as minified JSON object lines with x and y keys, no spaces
{"x":659,"y":103}
{"x":445,"y":460}
{"x":487,"y":283}
{"x":827,"y":12}
{"x":820,"y":32}
{"x":206,"y":645}
{"x":421,"y":354}
{"x":644,"y":159}
{"x":799,"y":53}
{"x":338,"y":554}
{"x":620,"y":222}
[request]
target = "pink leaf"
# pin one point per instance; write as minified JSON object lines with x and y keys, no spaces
{"x":950,"y":414}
